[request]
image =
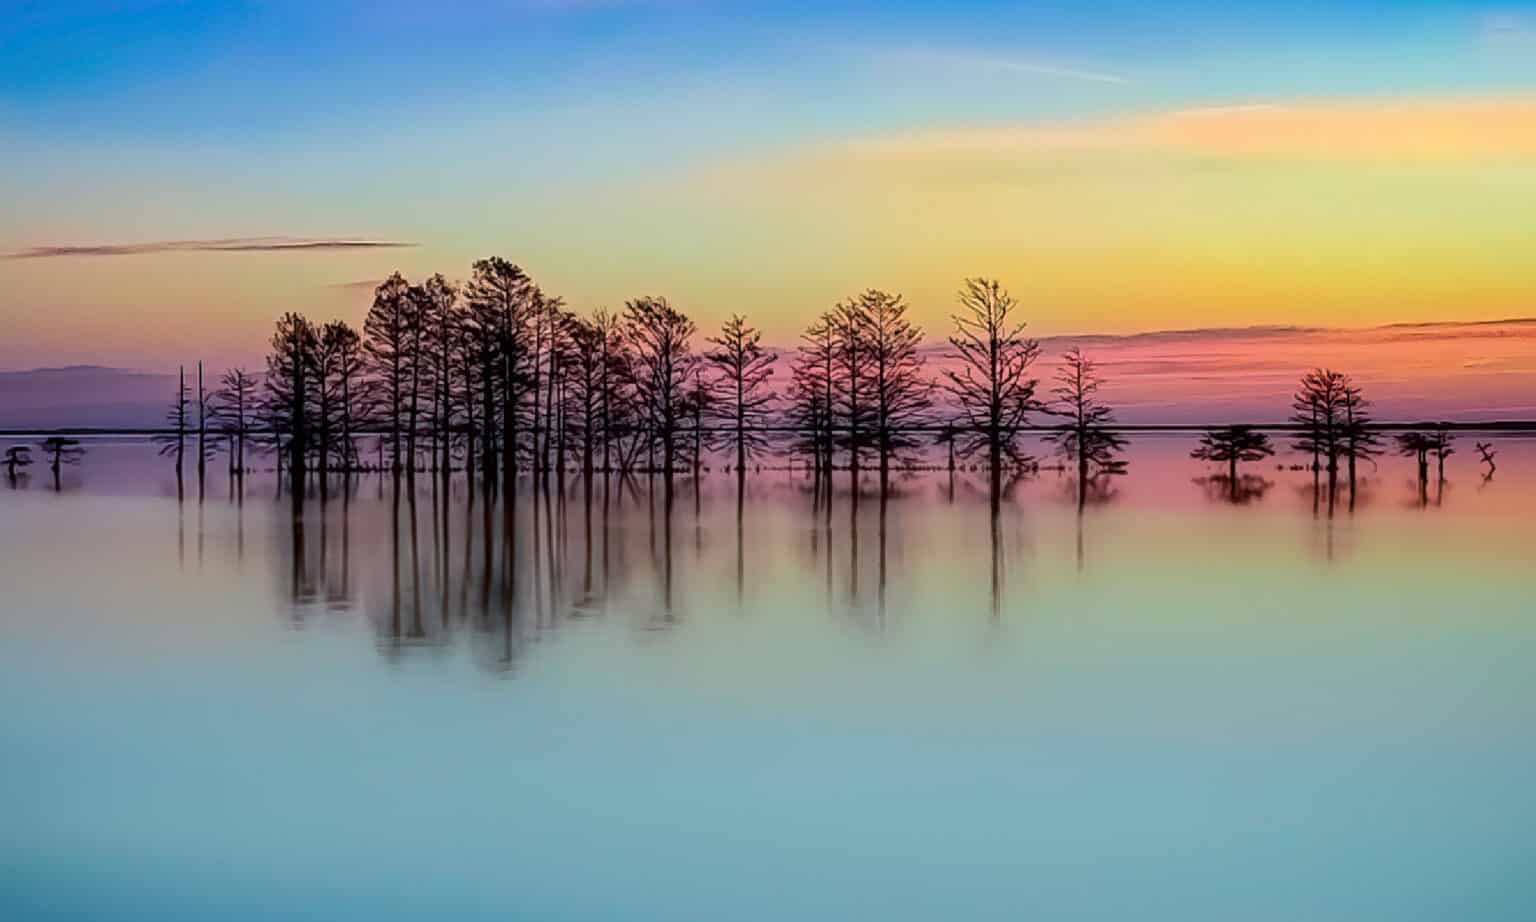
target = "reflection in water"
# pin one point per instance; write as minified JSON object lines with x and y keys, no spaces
{"x":1245,"y":489}
{"x":318,"y":675}
{"x":465,"y":562}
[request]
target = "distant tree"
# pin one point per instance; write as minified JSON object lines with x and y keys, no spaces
{"x":15,"y":457}
{"x":337,"y":363}
{"x":351,"y":379}
{"x":420,"y":306}
{"x":811,"y":390}
{"x":1358,"y":441}
{"x":701,"y":399}
{"x":234,"y":403}
{"x":1486,"y":452}
{"x":502,"y":302}
{"x":1086,"y":438}
{"x":1319,"y":411}
{"x":744,"y":367}
{"x":178,"y":416}
{"x":1231,"y":445}
{"x":388,"y":334}
{"x":991,"y":385}
{"x":444,"y":315}
{"x":550,"y":324}
{"x":1440,"y":443}
{"x":60,"y":451}
{"x":899,"y":394}
{"x":586,"y":388}
{"x":660,"y":338}
{"x":853,"y":411}
{"x":614,"y":407}
{"x":203,"y":447}
{"x":1417,"y":445}
{"x":289,"y":384}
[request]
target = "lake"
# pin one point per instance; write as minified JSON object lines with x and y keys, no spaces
{"x":1161,"y":705}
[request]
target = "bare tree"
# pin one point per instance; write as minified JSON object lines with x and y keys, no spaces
{"x":234,"y":403}
{"x":1440,"y":443}
{"x":445,"y":318}
{"x":16,"y":456}
{"x":502,"y":301}
{"x":1417,"y":445}
{"x":853,"y":411}
{"x":586,"y":389}
{"x":613,"y":405}
{"x":1358,"y":441}
{"x":1320,"y":410}
{"x":744,"y":367}
{"x":899,"y":393}
{"x":387,"y":339}
{"x":660,"y":337}
{"x":289,"y":396}
{"x":60,"y":451}
{"x":1086,"y":438}
{"x":336,"y":369}
{"x":1486,"y":452}
{"x":811,"y":390}
{"x":992,"y":385}
{"x":175,"y":442}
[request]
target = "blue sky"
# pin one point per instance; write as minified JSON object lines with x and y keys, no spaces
{"x":568,"y":135}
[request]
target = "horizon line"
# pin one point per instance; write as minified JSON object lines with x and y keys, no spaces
{"x":930,"y":344}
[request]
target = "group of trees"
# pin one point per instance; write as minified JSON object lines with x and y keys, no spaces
{"x":1332,"y":425}
{"x":60,"y":451}
{"x":498,"y":377}
{"x":495,"y":377}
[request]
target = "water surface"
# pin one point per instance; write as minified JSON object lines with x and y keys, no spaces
{"x":1161,"y":705}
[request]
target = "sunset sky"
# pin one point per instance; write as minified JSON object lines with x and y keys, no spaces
{"x":177,"y":174}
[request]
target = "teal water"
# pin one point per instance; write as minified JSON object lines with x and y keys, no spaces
{"x":1164,"y":706}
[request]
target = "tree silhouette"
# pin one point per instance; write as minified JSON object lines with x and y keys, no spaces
{"x":15,"y":457}
{"x":664,"y":361}
{"x":1086,"y":438}
{"x":1319,"y":410}
{"x":586,"y":389}
{"x":501,"y":302}
{"x":234,"y":404}
{"x":811,"y":390}
{"x":614,"y":407}
{"x":1440,"y":443}
{"x":992,"y":386}
{"x":444,"y":317}
{"x":289,"y":394}
{"x":203,"y":448}
{"x":1231,"y":445}
{"x":899,"y":394}
{"x":1486,"y":452}
{"x":388,"y":334}
{"x":1417,"y":445}
{"x":744,"y":367}
{"x":1358,"y":442}
{"x":175,"y":442}
{"x":336,"y":370}
{"x":60,"y":451}
{"x":853,"y":410}
{"x":551,"y":334}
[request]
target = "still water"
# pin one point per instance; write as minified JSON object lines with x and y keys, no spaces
{"x":1164,"y":706}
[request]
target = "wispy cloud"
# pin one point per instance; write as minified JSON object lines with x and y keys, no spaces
{"x":358,"y":285}
{"x":215,"y":245}
{"x":961,"y":60}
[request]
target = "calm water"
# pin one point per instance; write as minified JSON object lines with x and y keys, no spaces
{"x":1167,"y":707}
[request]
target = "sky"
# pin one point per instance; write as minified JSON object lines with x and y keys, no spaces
{"x":178,"y":174}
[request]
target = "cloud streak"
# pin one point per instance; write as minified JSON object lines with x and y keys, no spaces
{"x":954,"y":60}
{"x":213,"y":245}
